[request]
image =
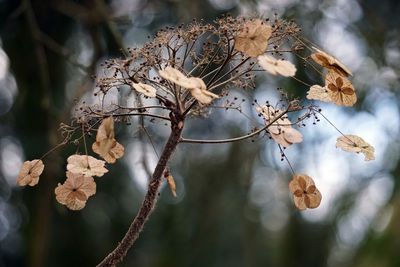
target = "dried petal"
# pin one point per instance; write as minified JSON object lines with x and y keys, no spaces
{"x":318,"y":92}
{"x":30,"y":172}
{"x":145,"y":89}
{"x":279,"y":138}
{"x":175,"y":76}
{"x":75,"y":191}
{"x":281,"y":130}
{"x":324,"y":59}
{"x":203,"y":96}
{"x":299,"y":202}
{"x":106,"y":145}
{"x":277,"y":66}
{"x":171,"y":184}
{"x":196,"y":85}
{"x":292,"y":135}
{"x":253,"y":38}
{"x":340,"y":89}
{"x":313,"y":199}
{"x":86,"y":165}
{"x":354,"y":143}
{"x":109,"y":149}
{"x":106,"y":129}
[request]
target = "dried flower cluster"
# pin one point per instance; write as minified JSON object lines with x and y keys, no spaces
{"x":279,"y":127}
{"x":188,"y":71}
{"x":305,"y":193}
{"x":30,"y":172}
{"x":79,"y":185}
{"x":338,"y":89}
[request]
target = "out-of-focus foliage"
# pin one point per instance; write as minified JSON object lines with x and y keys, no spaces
{"x":233,"y":207}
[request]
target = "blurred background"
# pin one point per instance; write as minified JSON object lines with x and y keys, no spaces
{"x":233,"y":206}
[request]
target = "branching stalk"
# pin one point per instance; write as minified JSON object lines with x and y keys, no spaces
{"x":149,"y":201}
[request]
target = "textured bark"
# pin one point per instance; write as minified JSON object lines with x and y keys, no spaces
{"x":150,"y":199}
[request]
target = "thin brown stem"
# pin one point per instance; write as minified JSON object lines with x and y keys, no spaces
{"x":231,"y":140}
{"x":150,"y":199}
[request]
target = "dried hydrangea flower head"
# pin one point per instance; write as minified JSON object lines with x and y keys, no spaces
{"x":305,"y":193}
{"x":340,"y":89}
{"x":30,"y":172}
{"x":324,"y":59}
{"x":354,"y":143}
{"x":86,"y":165}
{"x":175,"y":77}
{"x":75,"y":191}
{"x":106,"y":145}
{"x":253,"y":37}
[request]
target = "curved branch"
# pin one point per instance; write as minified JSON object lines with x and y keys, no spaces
{"x":149,"y":201}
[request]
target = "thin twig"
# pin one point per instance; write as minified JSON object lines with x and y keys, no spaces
{"x":230,"y":140}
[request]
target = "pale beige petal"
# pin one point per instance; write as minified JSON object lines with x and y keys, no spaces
{"x":309,"y":181}
{"x":299,"y":202}
{"x":274,"y":129}
{"x":354,"y":143}
{"x":74,"y":203}
{"x":252,"y":40}
{"x":109,"y":150}
{"x":312,"y":200}
{"x":203,"y":96}
{"x":62,"y":193}
{"x":294,"y":185}
{"x":96,"y":167}
{"x":145,"y":89}
{"x":292,"y":135}
{"x":78,"y":164}
{"x":103,"y":147}
{"x":347,"y":143}
{"x":88,"y":187}
{"x":117,"y":151}
{"x":106,"y":129}
{"x":195,"y":82}
{"x":277,"y":66}
{"x":74,"y":180}
{"x":369,"y":152}
{"x":285,"y":68}
{"x":175,"y":76}
{"x":171,"y":184}
{"x":30,"y":172}
{"x":318,"y":92}
{"x":280,"y":139}
{"x":86,"y":165}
